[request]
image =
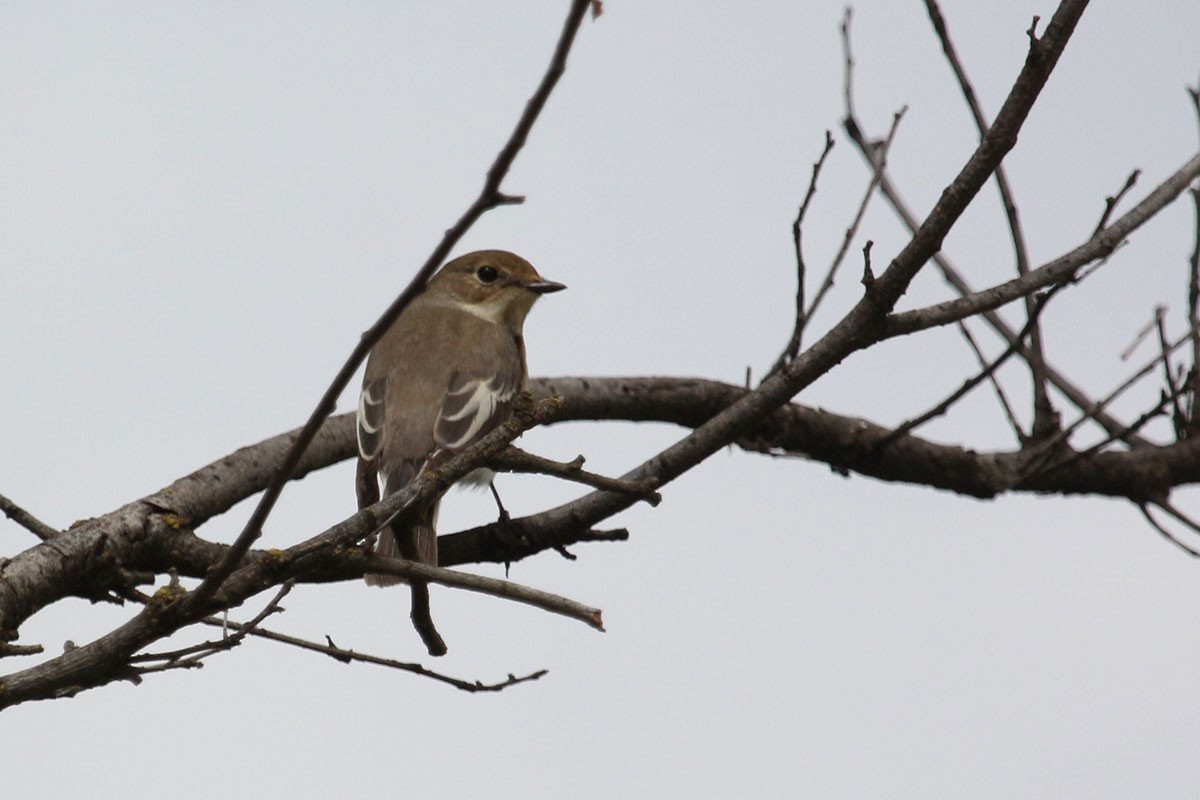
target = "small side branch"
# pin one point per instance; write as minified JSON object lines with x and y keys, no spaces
{"x":1193,"y":379}
{"x":1179,"y":418}
{"x":793,"y":345}
{"x":26,"y":520}
{"x":1166,"y":534}
{"x":881,"y":150}
{"x":514,"y":459}
{"x":507,"y":590}
{"x":1112,"y":201}
{"x":7,"y":649}
{"x":1001,"y":395}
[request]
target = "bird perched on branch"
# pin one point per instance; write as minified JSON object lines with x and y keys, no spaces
{"x":443,"y":376}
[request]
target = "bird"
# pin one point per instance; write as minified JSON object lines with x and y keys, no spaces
{"x":442,"y":376}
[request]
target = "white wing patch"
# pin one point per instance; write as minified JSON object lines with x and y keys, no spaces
{"x":370,"y":421}
{"x":468,"y":408}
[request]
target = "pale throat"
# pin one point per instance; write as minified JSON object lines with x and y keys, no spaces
{"x":498,"y":310}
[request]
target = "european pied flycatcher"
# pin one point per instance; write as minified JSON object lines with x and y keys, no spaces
{"x":443,"y":376}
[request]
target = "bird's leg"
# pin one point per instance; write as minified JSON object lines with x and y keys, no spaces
{"x":504,"y":517}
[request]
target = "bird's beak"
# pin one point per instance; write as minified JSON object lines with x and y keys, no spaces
{"x":542,"y":286}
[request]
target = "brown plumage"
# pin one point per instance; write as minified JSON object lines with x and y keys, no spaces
{"x":443,"y":376}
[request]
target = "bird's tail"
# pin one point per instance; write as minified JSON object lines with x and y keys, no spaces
{"x":416,"y":543}
{"x":424,"y":539}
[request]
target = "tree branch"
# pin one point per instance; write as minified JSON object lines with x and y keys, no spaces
{"x":26,"y":520}
{"x":1059,"y":270}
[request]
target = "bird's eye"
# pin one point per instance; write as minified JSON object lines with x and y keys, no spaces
{"x":487,"y":274}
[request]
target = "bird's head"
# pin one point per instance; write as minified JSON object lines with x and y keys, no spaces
{"x":493,"y":284}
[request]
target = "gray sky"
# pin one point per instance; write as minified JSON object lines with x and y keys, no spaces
{"x":204,"y":204}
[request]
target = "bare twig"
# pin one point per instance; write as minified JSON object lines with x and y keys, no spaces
{"x":1141,"y":336}
{"x":881,"y":151}
{"x":1111,"y":202}
{"x":847,"y":64}
{"x":7,"y":649}
{"x":1193,"y":378}
{"x":494,"y":587}
{"x":1166,"y":534}
{"x":793,"y":345}
{"x":1174,"y":389}
{"x":868,"y":277}
{"x":26,"y":520}
{"x":1171,"y":509}
{"x":348,"y":656}
{"x":514,"y":459}
{"x":1001,"y":395}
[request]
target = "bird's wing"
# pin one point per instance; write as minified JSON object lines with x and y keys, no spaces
{"x":370,"y":418}
{"x":370,"y":429}
{"x":473,"y":406}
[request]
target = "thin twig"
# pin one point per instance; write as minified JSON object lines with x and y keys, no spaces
{"x":1141,"y":336}
{"x":847,"y":63}
{"x":1193,"y":378}
{"x":348,"y":656}
{"x":1166,"y":534}
{"x":1111,"y":202}
{"x":26,"y":520}
{"x":514,"y":459}
{"x":793,"y":345}
{"x":1174,"y":389}
{"x":494,"y":587}
{"x":1001,"y":395}
{"x":1192,"y":524}
{"x":881,"y":151}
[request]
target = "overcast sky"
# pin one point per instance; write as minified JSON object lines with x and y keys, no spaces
{"x":202,"y":205}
